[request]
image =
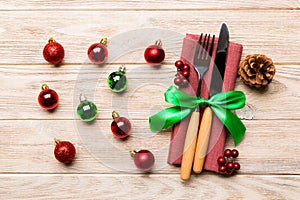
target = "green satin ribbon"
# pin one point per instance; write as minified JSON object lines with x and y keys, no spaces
{"x":221,"y":104}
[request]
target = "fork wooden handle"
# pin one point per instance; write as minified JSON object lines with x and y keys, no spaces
{"x":203,"y":140}
{"x":189,"y":146}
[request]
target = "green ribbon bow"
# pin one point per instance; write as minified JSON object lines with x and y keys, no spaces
{"x":220,"y":103}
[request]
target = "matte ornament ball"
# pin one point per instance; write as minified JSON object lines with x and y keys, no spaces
{"x":117,"y":81}
{"x":64,"y":151}
{"x":53,"y":52}
{"x":154,"y":54}
{"x":98,"y":53}
{"x":143,"y":159}
{"x":120,"y":126}
{"x":48,"y":99}
{"x":86,"y":110}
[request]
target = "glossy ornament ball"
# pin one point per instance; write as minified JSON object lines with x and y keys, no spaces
{"x":48,"y":99}
{"x":98,"y":52}
{"x":64,"y":151}
{"x":222,"y":161}
{"x":120,"y":126}
{"x":227,"y":153}
{"x":53,"y":52}
{"x":117,"y":81}
{"x":234,"y":153}
{"x":87,"y":111}
{"x":143,"y":160}
{"x":179,"y":64}
{"x":222,"y":169}
{"x":154,"y":54}
{"x":236,"y":166}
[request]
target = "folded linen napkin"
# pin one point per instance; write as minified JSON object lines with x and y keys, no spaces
{"x":218,"y":132}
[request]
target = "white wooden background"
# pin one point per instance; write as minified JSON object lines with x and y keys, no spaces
{"x":269,"y":154}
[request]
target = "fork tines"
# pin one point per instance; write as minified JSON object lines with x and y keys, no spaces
{"x":206,"y":45}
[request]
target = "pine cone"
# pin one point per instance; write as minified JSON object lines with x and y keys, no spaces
{"x":257,"y":70}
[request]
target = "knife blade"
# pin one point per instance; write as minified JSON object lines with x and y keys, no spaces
{"x":215,"y":87}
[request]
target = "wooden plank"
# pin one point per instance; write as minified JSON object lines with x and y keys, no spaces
{"x":22,"y":36}
{"x":92,"y":186}
{"x":26,"y":146}
{"x":145,"y":5}
{"x":143,"y":97}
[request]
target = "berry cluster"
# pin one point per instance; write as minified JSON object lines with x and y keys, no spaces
{"x":183,"y":73}
{"x":226,"y":162}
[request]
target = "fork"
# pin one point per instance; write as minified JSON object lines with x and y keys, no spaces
{"x":201,"y":63}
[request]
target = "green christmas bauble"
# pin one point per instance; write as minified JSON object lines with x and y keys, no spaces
{"x":87,"y":111}
{"x":117,"y":81}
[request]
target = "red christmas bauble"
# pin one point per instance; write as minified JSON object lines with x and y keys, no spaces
{"x":154,"y":54}
{"x":98,"y":52}
{"x":144,"y":160}
{"x":53,"y":52}
{"x":64,"y":151}
{"x":121,"y":127}
{"x":48,"y":99}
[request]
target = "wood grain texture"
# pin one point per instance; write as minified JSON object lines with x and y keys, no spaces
{"x":103,"y":168}
{"x":144,"y":81}
{"x":145,"y":5}
{"x":274,"y":36}
{"x":93,"y":186}
{"x":26,"y":146}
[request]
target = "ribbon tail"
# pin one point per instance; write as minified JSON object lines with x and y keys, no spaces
{"x":167,"y":117}
{"x":233,"y":124}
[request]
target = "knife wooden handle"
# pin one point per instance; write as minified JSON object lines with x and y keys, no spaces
{"x":189,"y":146}
{"x":203,"y":140}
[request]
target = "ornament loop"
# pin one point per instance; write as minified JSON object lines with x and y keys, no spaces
{"x":82,"y":98}
{"x":56,"y":141}
{"x":45,"y":87}
{"x":51,"y":40}
{"x":122,"y":68}
{"x":158,"y":42}
{"x":115,"y":114}
{"x":103,"y":41}
{"x":132,"y":152}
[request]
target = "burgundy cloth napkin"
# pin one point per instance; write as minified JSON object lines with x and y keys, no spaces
{"x":218,"y":132}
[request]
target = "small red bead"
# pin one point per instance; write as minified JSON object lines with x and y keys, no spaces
{"x":53,"y":52}
{"x":48,"y":99}
{"x":177,"y":81}
{"x":154,"y":54}
{"x":179,"y":64}
{"x":227,"y":153}
{"x":230,"y":165}
{"x":121,"y":127}
{"x":186,"y":74}
{"x":222,"y":169}
{"x":97,"y":53}
{"x":186,"y":67}
{"x":144,"y":160}
{"x":234,"y":153}
{"x":64,"y":152}
{"x":184,"y":82}
{"x":236,"y":166}
{"x":222,"y":161}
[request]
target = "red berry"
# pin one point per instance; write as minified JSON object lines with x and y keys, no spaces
{"x":236,"y":166}
{"x":121,"y":127}
{"x":186,"y":74}
{"x":186,"y":67}
{"x":234,"y":153}
{"x":227,"y":153}
{"x":179,"y":70}
{"x":184,"y":82}
{"x":228,"y":171}
{"x":229,"y":165}
{"x":179,"y":64}
{"x":222,"y":161}
{"x":144,"y":160}
{"x":177,"y":81}
{"x":97,"y":53}
{"x":53,"y":52}
{"x":154,"y":54}
{"x":222,"y":169}
{"x":64,"y":151}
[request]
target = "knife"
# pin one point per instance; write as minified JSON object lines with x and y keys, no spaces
{"x":215,"y":87}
